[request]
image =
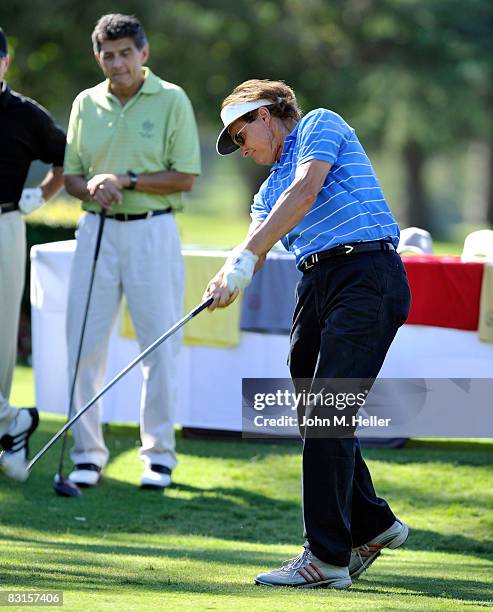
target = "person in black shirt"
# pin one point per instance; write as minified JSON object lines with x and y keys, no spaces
{"x":27,"y":133}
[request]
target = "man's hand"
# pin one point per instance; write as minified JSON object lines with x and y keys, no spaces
{"x":236,"y":274}
{"x":239,"y":269}
{"x":106,"y":189}
{"x":218,"y":289}
{"x":31,"y":199}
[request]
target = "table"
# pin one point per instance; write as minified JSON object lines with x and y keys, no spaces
{"x":418,"y":352}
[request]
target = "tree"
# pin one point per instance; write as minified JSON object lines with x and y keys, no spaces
{"x":412,"y":75}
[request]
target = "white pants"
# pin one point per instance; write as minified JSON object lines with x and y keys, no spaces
{"x":141,"y":259}
{"x":12,"y":272}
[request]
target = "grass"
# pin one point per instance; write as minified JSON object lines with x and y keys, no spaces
{"x":235,"y":510}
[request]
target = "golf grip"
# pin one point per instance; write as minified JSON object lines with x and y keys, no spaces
{"x":112,"y":382}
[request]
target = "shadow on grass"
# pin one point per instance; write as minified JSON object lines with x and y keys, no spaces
{"x":406,"y":495}
{"x":415,"y":451}
{"x":442,"y":452}
{"x":223,"y":512}
{"x":230,"y":513}
{"x":75,"y":573}
{"x":62,"y":549}
{"x":431,"y":541}
{"x":421,"y":584}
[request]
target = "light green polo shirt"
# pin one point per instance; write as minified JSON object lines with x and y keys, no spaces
{"x":154,"y":131}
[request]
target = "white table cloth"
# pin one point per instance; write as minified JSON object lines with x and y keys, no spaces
{"x":210,"y":378}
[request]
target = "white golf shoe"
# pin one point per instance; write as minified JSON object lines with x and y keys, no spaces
{"x":306,"y":572}
{"x":155,"y":476}
{"x":363,"y":556}
{"x":15,"y":444}
{"x":85,"y":474}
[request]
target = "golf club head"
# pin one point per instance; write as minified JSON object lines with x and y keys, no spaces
{"x":63,"y":487}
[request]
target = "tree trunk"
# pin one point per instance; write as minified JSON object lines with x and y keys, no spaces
{"x":418,"y":214}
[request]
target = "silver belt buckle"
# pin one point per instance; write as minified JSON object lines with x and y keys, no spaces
{"x":314,"y":260}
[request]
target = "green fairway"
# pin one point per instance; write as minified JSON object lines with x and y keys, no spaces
{"x":233,"y":511}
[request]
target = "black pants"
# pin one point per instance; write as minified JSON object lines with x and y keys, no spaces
{"x":348,"y":311}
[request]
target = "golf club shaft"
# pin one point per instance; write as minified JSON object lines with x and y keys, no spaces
{"x":120,"y":375}
{"x":102,"y":219}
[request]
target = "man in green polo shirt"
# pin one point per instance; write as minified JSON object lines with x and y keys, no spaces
{"x":132,"y":149}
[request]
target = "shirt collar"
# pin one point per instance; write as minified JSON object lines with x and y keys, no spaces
{"x":105,"y":98}
{"x":287,"y":142}
{"x":152,"y":83}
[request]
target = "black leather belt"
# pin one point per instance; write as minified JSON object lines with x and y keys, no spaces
{"x":8,"y":207}
{"x":346,"y":249}
{"x":127,"y":217}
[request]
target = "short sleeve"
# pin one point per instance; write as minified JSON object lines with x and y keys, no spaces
{"x":50,"y":142}
{"x":183,"y":150}
{"x":73,"y":163}
{"x":258,"y":210}
{"x":320,"y":136}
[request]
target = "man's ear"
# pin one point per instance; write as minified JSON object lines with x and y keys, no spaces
{"x":98,"y":60}
{"x":145,"y":53}
{"x":264,"y":114}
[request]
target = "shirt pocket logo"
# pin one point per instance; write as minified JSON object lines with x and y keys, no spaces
{"x":147,"y":130}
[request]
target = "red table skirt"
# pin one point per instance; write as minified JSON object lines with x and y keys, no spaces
{"x":445,"y":291}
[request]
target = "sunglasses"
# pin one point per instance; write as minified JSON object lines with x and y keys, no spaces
{"x":238,"y":138}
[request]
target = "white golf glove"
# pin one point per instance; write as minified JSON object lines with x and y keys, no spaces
{"x":31,"y":199}
{"x":239,"y":268}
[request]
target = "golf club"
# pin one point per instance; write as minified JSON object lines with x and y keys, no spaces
{"x":63,"y":486}
{"x":122,"y":373}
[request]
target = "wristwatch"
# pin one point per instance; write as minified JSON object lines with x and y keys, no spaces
{"x":133,"y":180}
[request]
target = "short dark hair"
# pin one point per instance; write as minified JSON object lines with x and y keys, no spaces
{"x":114,"y":26}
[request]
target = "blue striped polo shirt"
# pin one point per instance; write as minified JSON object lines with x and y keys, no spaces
{"x":349,"y":208}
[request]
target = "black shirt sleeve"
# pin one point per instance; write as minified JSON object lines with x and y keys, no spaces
{"x":49,"y":144}
{"x":27,"y":133}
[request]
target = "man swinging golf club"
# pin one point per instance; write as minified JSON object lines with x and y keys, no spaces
{"x":323,"y":200}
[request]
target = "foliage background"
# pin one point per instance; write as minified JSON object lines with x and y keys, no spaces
{"x":414,"y":77}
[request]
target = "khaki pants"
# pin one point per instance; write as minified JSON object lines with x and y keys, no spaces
{"x":12,"y":272}
{"x":141,"y":259}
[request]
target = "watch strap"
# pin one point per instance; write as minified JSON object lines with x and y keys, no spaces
{"x":133,"y":180}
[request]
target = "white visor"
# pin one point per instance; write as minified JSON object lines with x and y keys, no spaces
{"x":229,"y":115}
